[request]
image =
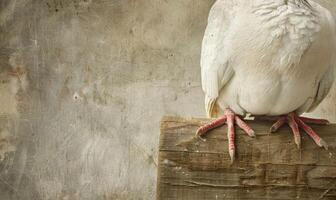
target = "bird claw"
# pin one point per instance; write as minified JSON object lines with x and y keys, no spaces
{"x":324,"y":144}
{"x":232,"y":155}
{"x":230,"y":118}
{"x":199,"y":137}
{"x":298,"y":144}
{"x":295,"y":122}
{"x":252,"y":134}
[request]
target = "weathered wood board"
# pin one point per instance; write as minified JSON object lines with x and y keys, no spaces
{"x":267,"y":167}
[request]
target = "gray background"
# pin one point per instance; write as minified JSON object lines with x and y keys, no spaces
{"x":82,"y":122}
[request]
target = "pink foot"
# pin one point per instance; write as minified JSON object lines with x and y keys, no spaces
{"x":230,"y":118}
{"x":295,"y":122}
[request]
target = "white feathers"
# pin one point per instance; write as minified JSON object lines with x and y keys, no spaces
{"x":214,"y":57}
{"x":266,"y":57}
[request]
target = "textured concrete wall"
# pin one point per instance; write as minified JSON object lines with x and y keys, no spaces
{"x":83,"y":86}
{"x":81,"y":118}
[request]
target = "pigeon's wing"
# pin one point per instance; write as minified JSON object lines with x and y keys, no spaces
{"x":215,"y":69}
{"x":328,"y":79}
{"x":324,"y":87}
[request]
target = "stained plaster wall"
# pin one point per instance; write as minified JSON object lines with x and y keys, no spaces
{"x":83,"y":86}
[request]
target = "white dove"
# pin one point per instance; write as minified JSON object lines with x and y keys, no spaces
{"x":267,"y":58}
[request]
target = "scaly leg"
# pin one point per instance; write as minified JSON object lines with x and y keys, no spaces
{"x":295,"y":122}
{"x":230,"y":118}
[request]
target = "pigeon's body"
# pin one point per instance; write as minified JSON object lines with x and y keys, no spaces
{"x":267,"y":57}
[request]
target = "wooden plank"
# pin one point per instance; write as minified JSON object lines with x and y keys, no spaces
{"x":267,"y":167}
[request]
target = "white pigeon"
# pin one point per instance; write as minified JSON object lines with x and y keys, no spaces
{"x":267,"y":58}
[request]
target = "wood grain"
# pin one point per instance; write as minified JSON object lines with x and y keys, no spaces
{"x":267,"y":167}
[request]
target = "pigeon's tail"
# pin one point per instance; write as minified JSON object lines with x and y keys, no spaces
{"x":211,"y":107}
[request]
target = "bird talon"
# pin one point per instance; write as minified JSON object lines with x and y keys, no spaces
{"x":199,"y":137}
{"x":253,"y":135}
{"x":272,"y":130}
{"x":232,"y":155}
{"x":231,"y":119}
{"x":324,"y":144}
{"x":298,"y":146}
{"x":295,"y":122}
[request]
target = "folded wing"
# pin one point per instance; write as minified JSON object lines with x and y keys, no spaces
{"x":215,"y":68}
